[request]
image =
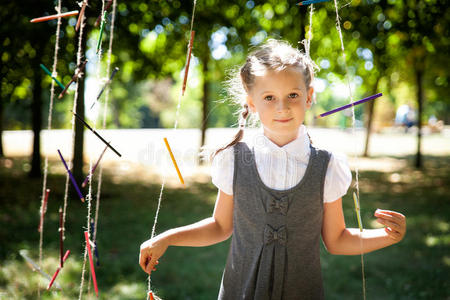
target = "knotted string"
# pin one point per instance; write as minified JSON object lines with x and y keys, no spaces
{"x":49,"y":127}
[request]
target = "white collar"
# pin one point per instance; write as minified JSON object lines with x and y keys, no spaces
{"x":298,"y":148}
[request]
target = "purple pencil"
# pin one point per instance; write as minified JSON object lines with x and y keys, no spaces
{"x":93,"y":168}
{"x":348,"y":105}
{"x":71,"y":177}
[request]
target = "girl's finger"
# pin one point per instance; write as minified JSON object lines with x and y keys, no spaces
{"x":391,"y":224}
{"x":393,"y":234}
{"x":143,"y":258}
{"x":390,"y":214}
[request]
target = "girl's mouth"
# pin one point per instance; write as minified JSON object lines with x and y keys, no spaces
{"x":283,"y":120}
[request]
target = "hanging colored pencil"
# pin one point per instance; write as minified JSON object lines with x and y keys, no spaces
{"x":307,"y":2}
{"x":106,"y":84}
{"x":81,"y":15}
{"x":91,"y":262}
{"x":57,"y":270}
{"x":35,"y":267}
{"x":150,"y":295}
{"x":102,"y":27}
{"x":348,"y":105}
{"x":74,"y":182}
{"x":52,"y":17}
{"x":95,"y":132}
{"x":95,"y":244}
{"x":78,"y":73}
{"x":188,"y":60}
{"x":50,"y":74}
{"x":173,"y":160}
{"x":358,"y":212}
{"x":93,"y":168}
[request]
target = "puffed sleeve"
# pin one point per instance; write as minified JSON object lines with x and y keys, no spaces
{"x":337,"y":179}
{"x":222,"y":170}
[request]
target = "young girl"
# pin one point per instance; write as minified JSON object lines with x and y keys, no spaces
{"x":277,"y":193}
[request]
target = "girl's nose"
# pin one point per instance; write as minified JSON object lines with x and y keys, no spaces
{"x":282,"y":105}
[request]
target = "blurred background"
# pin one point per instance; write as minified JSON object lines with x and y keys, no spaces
{"x":400,"y":142}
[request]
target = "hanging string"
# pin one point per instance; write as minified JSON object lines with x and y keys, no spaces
{"x":308,"y":41}
{"x":174,"y":129}
{"x":88,"y":217}
{"x":105,"y":109}
{"x":88,"y":197}
{"x":49,"y":127}
{"x":338,"y":27}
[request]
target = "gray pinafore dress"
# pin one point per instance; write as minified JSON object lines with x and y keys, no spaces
{"x":274,"y":252}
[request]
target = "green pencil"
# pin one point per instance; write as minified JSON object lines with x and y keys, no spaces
{"x":50,"y":74}
{"x":358,"y":212}
{"x":102,"y":27}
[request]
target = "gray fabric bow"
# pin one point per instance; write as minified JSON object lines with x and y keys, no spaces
{"x":282,"y":204}
{"x":271,"y":235}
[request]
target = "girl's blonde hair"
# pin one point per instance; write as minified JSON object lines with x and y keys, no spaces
{"x":273,"y":55}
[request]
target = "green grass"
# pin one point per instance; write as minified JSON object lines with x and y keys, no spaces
{"x":416,"y":268}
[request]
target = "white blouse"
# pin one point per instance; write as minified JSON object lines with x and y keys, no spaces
{"x":291,"y":160}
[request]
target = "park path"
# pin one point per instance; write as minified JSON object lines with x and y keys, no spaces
{"x":145,"y":148}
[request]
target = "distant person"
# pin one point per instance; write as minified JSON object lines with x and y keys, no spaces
{"x":278,"y":194}
{"x":435,"y":125}
{"x":405,"y":116}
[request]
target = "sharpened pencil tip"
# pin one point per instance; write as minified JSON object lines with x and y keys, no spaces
{"x":82,"y":199}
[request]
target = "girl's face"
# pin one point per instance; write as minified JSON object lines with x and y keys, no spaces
{"x":280,"y":98}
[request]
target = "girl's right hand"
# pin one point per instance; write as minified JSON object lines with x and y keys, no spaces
{"x":151,"y":251}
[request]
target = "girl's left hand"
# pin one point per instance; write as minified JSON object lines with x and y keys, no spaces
{"x":395,"y":223}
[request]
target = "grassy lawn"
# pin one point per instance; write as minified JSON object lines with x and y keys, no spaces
{"x":416,"y":268}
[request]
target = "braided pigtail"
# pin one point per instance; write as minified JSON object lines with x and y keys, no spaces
{"x":240,"y":134}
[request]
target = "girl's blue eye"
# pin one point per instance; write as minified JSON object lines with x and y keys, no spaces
{"x":268,"y":98}
{"x":293,"y":95}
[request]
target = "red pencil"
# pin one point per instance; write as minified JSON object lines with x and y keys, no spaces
{"x":186,"y":71}
{"x":57,"y":271}
{"x":91,"y":262}
{"x":52,"y":17}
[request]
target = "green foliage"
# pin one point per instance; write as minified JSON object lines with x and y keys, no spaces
{"x":126,"y":215}
{"x":384,"y":41}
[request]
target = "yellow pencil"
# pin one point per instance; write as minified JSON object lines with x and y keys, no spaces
{"x":174,"y":161}
{"x":358,"y":213}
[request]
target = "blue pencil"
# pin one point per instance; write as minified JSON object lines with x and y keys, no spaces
{"x":348,"y":106}
{"x":71,"y":177}
{"x":307,"y":2}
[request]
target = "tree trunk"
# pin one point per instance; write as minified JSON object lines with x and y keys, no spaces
{"x":36,"y":113}
{"x":79,"y":127}
{"x":1,"y":122}
{"x":419,"y":74}
{"x":370,"y":110}
{"x":205,"y":106}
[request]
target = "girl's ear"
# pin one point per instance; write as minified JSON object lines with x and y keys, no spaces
{"x":309,"y":97}
{"x":250,"y":103}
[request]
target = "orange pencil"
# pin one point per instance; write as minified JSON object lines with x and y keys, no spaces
{"x":150,"y":294}
{"x":186,"y":71}
{"x":174,"y":161}
{"x":52,"y":17}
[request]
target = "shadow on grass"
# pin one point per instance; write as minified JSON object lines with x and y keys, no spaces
{"x":416,"y":268}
